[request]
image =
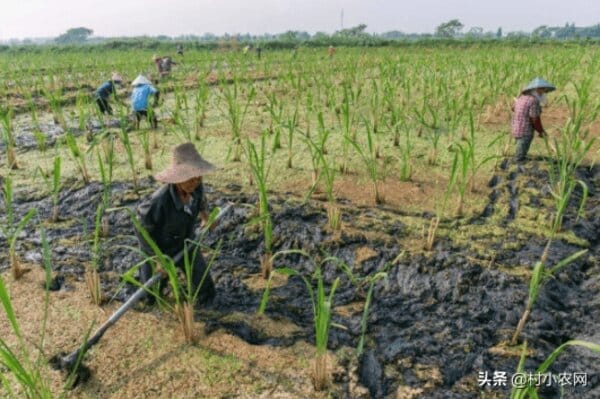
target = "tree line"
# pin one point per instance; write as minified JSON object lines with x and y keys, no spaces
{"x":354,"y":36}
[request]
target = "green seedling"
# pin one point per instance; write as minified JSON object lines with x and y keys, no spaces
{"x":55,"y":185}
{"x":21,"y":368}
{"x":322,"y":305}
{"x":538,"y":277}
{"x":11,"y":228}
{"x":260,"y":170}
{"x":78,"y":156}
{"x":184,"y":297}
{"x":8,"y":138}
{"x":369,"y":157}
{"x":529,"y":389}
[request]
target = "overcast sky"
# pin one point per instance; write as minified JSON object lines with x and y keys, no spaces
{"x":49,"y":18}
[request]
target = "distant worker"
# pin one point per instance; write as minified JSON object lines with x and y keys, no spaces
{"x":258,"y":51}
{"x":105,"y":90}
{"x":246,"y":48}
{"x":527,"y":112}
{"x":330,"y":51}
{"x":142,"y":90}
{"x":163,"y":65}
{"x":180,"y":49}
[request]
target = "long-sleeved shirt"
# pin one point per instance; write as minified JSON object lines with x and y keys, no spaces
{"x":526,"y":116}
{"x":105,"y":90}
{"x":168,"y":220}
{"x":140,"y":95}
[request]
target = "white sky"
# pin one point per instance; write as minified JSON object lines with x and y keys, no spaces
{"x":49,"y":18}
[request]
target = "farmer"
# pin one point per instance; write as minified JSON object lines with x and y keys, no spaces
{"x":142,"y":90}
{"x":258,"y":51}
{"x":171,"y":214}
{"x":104,"y":91}
{"x":180,"y":49}
{"x":527,"y":111}
{"x":330,"y":51}
{"x":163,"y":65}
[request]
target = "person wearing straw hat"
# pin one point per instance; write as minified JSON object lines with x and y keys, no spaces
{"x":163,"y":64}
{"x":171,"y":213}
{"x":142,"y":90}
{"x":105,"y":90}
{"x":330,"y":51}
{"x":527,"y":112}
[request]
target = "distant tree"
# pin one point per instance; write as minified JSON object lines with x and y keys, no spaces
{"x":293,"y":36}
{"x":354,"y":31}
{"x":449,"y":29}
{"x":208,"y":37}
{"x":393,"y":34}
{"x":542,"y":31}
{"x":74,"y":35}
{"x":475,"y":31}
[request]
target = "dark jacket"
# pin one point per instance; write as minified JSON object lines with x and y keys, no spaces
{"x":168,"y":221}
{"x":105,"y":90}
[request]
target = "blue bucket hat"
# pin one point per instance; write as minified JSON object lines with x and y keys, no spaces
{"x":539,"y":83}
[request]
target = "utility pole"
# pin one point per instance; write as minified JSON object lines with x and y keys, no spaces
{"x":342,"y":19}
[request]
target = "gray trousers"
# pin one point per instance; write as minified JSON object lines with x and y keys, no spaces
{"x":523,"y":144}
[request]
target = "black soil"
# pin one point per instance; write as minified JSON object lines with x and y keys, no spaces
{"x":431,"y":323}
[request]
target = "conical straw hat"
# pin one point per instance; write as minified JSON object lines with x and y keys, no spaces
{"x":141,"y":80}
{"x":186,"y":164}
{"x":539,"y":83}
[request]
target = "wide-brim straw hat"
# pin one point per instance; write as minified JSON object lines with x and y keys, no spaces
{"x":155,"y":57}
{"x":141,"y":80}
{"x":539,"y":83}
{"x":186,"y":164}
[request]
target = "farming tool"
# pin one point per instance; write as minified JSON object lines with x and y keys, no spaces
{"x":71,"y":362}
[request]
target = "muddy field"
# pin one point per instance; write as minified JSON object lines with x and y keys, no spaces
{"x":440,"y":317}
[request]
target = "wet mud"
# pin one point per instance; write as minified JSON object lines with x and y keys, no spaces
{"x":45,"y":134}
{"x":440,"y":317}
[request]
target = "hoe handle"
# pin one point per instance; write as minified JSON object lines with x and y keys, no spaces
{"x":72,"y":358}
